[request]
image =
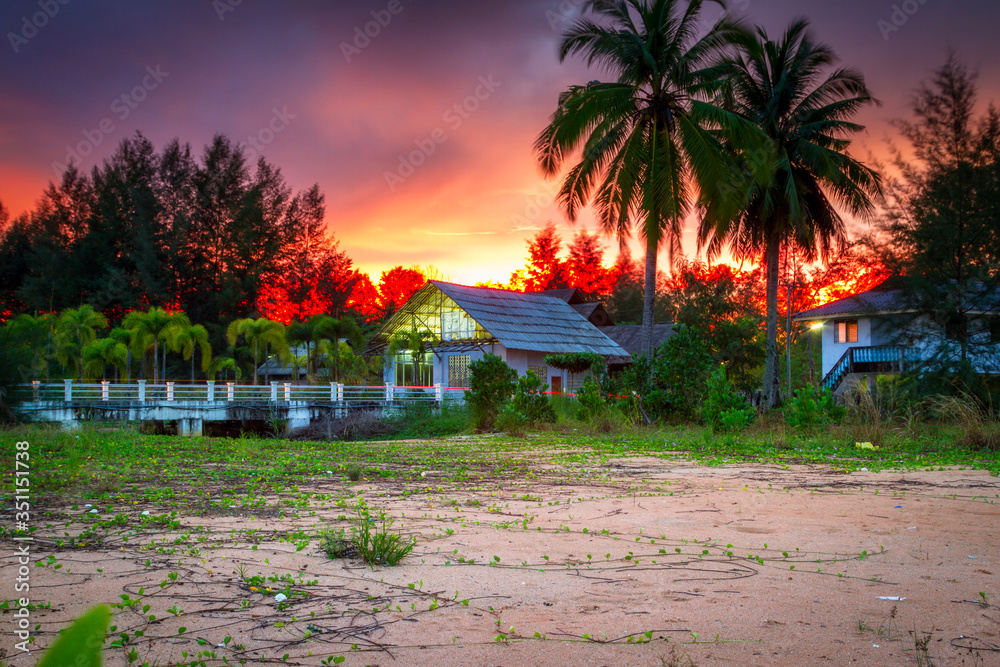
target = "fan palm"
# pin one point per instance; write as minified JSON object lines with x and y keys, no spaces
{"x":75,"y":329}
{"x":783,"y":88}
{"x":647,"y":144}
{"x":258,"y":334}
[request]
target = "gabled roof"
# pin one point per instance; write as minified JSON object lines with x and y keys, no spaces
{"x":594,"y":312}
{"x":629,"y":336}
{"x":535,"y":322}
{"x":570,"y":295}
{"x":888,"y":298}
{"x":866,"y":303}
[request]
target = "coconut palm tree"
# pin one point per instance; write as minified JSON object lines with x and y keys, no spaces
{"x":104,"y":352}
{"x":186,"y":339}
{"x":74,"y":330}
{"x":258,"y":334}
{"x":647,"y":145}
{"x":415,"y":341}
{"x":148,"y":329}
{"x":786,"y":88}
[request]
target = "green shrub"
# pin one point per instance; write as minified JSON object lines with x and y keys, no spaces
{"x":679,"y":374}
{"x":593,"y":402}
{"x":576,"y":362}
{"x":531,"y":401}
{"x":511,"y":421}
{"x":491,"y":384}
{"x":811,"y":407}
{"x":724,"y":409}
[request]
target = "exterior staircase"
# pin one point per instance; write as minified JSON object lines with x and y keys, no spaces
{"x":857,"y":362}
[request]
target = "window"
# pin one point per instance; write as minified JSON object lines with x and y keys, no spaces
{"x":458,"y":370}
{"x":404,"y":370}
{"x":956,"y":327}
{"x":845,"y":331}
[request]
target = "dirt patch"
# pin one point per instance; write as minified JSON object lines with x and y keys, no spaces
{"x":626,"y":563}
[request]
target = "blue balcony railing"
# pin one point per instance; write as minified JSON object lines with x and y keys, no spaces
{"x":883,"y":358}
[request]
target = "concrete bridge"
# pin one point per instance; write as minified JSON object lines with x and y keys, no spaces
{"x":191,"y":405}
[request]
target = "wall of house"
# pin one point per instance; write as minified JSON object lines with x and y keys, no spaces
{"x":832,"y":352}
{"x":519,"y":360}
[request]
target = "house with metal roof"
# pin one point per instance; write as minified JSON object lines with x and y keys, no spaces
{"x":889,"y":329}
{"x":468,"y":322}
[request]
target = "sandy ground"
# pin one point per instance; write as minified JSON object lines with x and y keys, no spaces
{"x":634,"y":562}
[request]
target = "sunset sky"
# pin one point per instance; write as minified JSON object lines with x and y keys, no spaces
{"x":472,"y":83}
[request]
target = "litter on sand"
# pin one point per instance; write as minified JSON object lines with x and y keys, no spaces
{"x":894,"y":598}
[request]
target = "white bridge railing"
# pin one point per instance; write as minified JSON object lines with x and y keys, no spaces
{"x":69,"y":391}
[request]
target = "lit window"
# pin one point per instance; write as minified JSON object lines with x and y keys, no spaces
{"x":845,"y":331}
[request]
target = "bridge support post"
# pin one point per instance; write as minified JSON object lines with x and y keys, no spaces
{"x":142,"y":391}
{"x":68,"y":390}
{"x":438,"y":393}
{"x":210,"y":396}
{"x":274,"y":391}
{"x":170,"y":391}
{"x":35,"y":390}
{"x":230,"y":391}
{"x":105,"y":390}
{"x":288,"y":392}
{"x":388,"y":393}
{"x":340,"y":393}
{"x":191,"y":427}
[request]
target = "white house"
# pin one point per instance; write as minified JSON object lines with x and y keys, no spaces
{"x":468,"y":322}
{"x":883,"y":331}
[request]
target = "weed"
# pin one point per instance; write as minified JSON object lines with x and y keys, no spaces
{"x":354,"y":471}
{"x":921,"y":648}
{"x":374,"y":541}
{"x":336,"y":545}
{"x":676,"y":659}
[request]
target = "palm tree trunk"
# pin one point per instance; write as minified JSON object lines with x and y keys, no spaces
{"x":770,"y":388}
{"x":255,"y":378}
{"x":648,"y":299}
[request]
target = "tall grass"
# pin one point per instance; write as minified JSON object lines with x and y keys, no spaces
{"x":978,"y":429}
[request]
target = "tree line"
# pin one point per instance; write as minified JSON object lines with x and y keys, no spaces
{"x":750,"y":134}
